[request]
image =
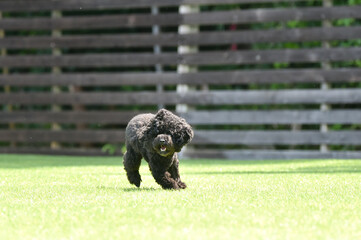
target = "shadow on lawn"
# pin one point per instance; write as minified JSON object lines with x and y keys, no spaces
{"x":301,"y":170}
{"x":141,"y":189}
{"x":128,"y":189}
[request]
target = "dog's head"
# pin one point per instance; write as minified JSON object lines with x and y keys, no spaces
{"x":163,"y":145}
{"x":174,"y":127}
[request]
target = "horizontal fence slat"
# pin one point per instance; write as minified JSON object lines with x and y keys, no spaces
{"x":273,"y":117}
{"x":337,"y":96}
{"x":272,"y":15}
{"x":345,"y":75}
{"x":69,"y":136}
{"x":272,"y":76}
{"x":271,"y":56}
{"x":89,"y":60}
{"x":193,"y":117}
{"x":91,"y":41}
{"x":173,"y":39}
{"x":93,"y":79}
{"x":98,"y":117}
{"x":277,"y":137}
{"x":90,"y":22}
{"x":271,"y":154}
{"x":43,"y":5}
{"x":204,"y":58}
{"x":270,"y":36}
{"x":218,"y":137}
{"x":171,"y":19}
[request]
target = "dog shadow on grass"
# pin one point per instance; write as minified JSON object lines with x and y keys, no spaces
{"x":141,"y":189}
{"x":128,"y":189}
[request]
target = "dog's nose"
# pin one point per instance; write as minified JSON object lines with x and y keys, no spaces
{"x":162,"y":140}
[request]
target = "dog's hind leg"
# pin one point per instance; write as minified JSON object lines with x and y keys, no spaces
{"x":131,"y":163}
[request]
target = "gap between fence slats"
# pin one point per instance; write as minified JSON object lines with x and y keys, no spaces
{"x":170,"y":19}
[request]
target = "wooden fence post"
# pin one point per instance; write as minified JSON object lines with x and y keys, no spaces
{"x":157,"y":50}
{"x":55,"y":70}
{"x":7,"y":89}
{"x":325,"y":86}
{"x":182,"y":49}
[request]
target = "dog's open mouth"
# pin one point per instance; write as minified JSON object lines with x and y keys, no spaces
{"x":163,"y":148}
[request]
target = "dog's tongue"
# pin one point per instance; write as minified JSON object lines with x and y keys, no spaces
{"x":162,"y":148}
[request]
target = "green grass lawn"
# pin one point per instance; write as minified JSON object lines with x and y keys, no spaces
{"x":43,"y":197}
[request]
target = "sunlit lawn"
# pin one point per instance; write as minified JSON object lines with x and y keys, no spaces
{"x":45,"y":197}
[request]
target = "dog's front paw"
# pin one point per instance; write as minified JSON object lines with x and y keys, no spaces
{"x":137,"y":182}
{"x":134,"y":178}
{"x":182,"y":185}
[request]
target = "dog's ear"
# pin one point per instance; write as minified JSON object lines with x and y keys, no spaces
{"x":158,"y":123}
{"x":161,"y":120}
{"x":189,"y":134}
{"x":161,"y":114}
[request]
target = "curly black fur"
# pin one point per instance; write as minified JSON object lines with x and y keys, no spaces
{"x":156,"y":138}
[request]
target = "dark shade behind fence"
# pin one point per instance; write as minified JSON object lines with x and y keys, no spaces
{"x":257,"y":79}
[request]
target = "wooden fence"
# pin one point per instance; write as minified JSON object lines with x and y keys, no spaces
{"x":264,"y":78}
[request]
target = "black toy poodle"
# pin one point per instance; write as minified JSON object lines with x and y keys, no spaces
{"x":156,"y":138}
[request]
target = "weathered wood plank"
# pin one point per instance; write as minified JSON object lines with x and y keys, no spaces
{"x":69,"y":136}
{"x":98,"y":117}
{"x":270,"y":154}
{"x":273,"y":15}
{"x":91,"y":41}
{"x":89,"y":60}
{"x":345,"y":75}
{"x":270,"y":56}
{"x":92,"y":79}
{"x":273,"y":76}
{"x":193,"y":117}
{"x":43,"y":5}
{"x":271,"y":36}
{"x":277,"y":137}
{"x":273,"y":117}
{"x":173,"y":39}
{"x":90,"y":22}
{"x":173,"y":19}
{"x":310,"y":96}
{"x":203,"y":58}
